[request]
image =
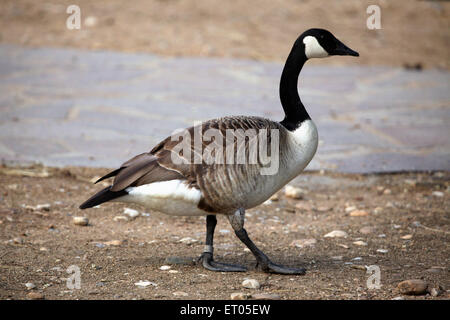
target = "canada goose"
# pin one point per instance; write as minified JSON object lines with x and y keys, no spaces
{"x":186,"y":187}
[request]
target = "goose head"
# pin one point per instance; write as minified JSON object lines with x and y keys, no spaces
{"x":320,"y":43}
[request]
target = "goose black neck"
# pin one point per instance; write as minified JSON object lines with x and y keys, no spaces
{"x":295,"y":112}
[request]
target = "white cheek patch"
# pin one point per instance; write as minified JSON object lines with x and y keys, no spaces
{"x":313,"y":49}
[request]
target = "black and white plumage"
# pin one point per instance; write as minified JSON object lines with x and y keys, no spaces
{"x":155,"y":181}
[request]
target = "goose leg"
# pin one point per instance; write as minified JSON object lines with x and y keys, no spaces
{"x":207,"y":255}
{"x":237,"y":222}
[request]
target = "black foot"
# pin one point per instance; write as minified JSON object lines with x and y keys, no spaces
{"x":271,"y":267}
{"x":210,"y":264}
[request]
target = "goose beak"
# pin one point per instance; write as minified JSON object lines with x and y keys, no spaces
{"x":343,"y":50}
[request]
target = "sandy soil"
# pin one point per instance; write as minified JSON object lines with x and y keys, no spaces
{"x":407,"y":215}
{"x":413,"y":32}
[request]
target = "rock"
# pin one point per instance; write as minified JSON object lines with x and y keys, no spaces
{"x":188,"y":240}
{"x":398,"y":298}
{"x":120,"y":218}
{"x":180,"y":294}
{"x":382,"y":250}
{"x":80,"y":221}
{"x":35,"y":296}
{"x":114,"y":243}
{"x":359,"y":213}
{"x":240,"y":296}
{"x":387,"y":191}
{"x":18,"y":240}
{"x":435,"y":270}
{"x":438,"y":194}
{"x":358,"y":267}
{"x":133,"y":214}
{"x":44,"y":207}
{"x":367,"y":230}
{"x":164,"y":268}
{"x":144,"y":284}
{"x":323,"y":209}
{"x":30,"y":285}
{"x":413,"y":287}
{"x":293,"y":192}
{"x":407,"y":237}
{"x":337,"y":258}
{"x":378,"y":210}
{"x":350,"y":209}
{"x":435,"y":292}
{"x":301,"y":243}
{"x":336,"y":234}
{"x":360,"y":243}
{"x":251,"y":284}
{"x":266,"y":296}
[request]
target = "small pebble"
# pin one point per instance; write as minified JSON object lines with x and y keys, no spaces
{"x":438,"y":194}
{"x":114,"y":243}
{"x":35,"y":296}
{"x":382,"y":250}
{"x":293,"y":192}
{"x":407,"y":237}
{"x":413,"y":287}
{"x":251,"y":284}
{"x":164,"y":268}
{"x":359,"y":213}
{"x":30,"y":285}
{"x":180,"y":294}
{"x":360,"y":243}
{"x":302,"y":243}
{"x":144,"y":284}
{"x":80,"y":221}
{"x":266,"y":296}
{"x":131,"y":213}
{"x":188,"y":240}
{"x":336,"y":234}
{"x":240,"y":296}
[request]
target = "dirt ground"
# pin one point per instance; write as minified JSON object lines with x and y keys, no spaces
{"x":412,"y":32}
{"x":407,"y":218}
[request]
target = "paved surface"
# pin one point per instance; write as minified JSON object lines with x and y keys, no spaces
{"x":70,"y":107}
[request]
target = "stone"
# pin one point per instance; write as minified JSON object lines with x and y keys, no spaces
{"x":114,"y":243}
{"x":240,"y":296}
{"x":413,"y":287}
{"x":293,"y":192}
{"x":251,"y":284}
{"x":188,"y":240}
{"x":360,"y":243}
{"x":302,"y":243}
{"x":30,"y":285}
{"x":336,"y":234}
{"x":350,"y":209}
{"x":359,"y":213}
{"x":382,"y":250}
{"x":164,"y":268}
{"x":265,"y":296}
{"x":407,"y":237}
{"x":80,"y":221}
{"x":144,"y":284}
{"x":438,"y":194}
{"x":35,"y":296}
{"x":131,"y":213}
{"x":180,"y":294}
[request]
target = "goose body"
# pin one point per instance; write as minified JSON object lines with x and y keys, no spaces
{"x":189,"y":183}
{"x":227,"y":187}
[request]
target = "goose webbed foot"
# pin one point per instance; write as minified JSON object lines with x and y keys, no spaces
{"x":209,"y":263}
{"x":270,"y":267}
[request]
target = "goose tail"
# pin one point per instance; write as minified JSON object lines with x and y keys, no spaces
{"x":101,"y":197}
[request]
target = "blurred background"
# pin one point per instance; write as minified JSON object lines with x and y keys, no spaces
{"x":413,"y":32}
